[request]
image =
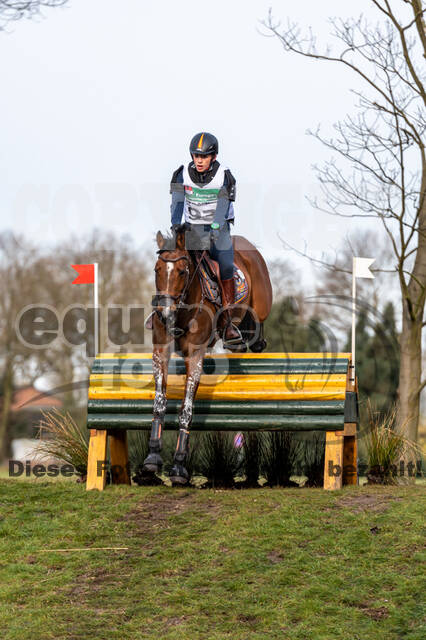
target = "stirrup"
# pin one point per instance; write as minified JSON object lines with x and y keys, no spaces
{"x":148,"y":322}
{"x":237,"y":340}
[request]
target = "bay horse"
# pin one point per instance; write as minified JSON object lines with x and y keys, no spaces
{"x":185,"y":321}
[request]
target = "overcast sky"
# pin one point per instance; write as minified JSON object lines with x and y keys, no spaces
{"x":100,"y":100}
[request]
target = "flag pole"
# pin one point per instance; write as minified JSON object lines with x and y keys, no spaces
{"x":96,"y":305}
{"x":352,"y":376}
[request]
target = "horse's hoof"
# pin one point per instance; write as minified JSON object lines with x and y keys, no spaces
{"x":179,"y":475}
{"x":258,"y":346}
{"x":153,"y":463}
{"x":147,"y":479}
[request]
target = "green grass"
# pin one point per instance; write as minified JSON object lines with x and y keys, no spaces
{"x":207,"y":564}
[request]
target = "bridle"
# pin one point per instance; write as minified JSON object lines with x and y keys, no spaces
{"x":160,"y":300}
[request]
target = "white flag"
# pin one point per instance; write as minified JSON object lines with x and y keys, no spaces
{"x":361,"y":267}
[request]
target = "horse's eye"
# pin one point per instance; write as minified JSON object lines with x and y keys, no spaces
{"x":157,"y":269}
{"x":182,"y":272}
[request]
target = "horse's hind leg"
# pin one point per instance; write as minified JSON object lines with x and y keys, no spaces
{"x":260,"y":344}
{"x":252,"y":332}
{"x":160,"y":361}
{"x":194,"y":365}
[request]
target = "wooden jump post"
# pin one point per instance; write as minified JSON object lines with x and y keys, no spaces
{"x":237,"y":392}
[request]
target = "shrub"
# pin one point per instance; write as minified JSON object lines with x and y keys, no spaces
{"x":65,"y":441}
{"x":386,"y":447}
{"x":313,"y":451}
{"x":252,"y":449}
{"x":280,"y":455}
{"x":218,"y":459}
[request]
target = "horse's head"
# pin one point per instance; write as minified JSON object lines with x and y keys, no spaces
{"x":172,"y":272}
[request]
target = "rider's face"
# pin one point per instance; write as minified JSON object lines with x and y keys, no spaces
{"x":202,"y":163}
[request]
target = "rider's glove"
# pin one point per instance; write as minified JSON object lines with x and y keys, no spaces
{"x":174,"y":228}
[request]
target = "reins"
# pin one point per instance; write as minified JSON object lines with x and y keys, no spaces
{"x":177,"y":332}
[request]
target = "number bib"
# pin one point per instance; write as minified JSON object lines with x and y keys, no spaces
{"x":201,"y":200}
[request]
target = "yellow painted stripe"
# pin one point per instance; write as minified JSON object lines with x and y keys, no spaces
{"x":260,"y":381}
{"x":233,"y":387}
{"x":124,"y":356}
{"x":212,"y":393}
{"x":230,"y":356}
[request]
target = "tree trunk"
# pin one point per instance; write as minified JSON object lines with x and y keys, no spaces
{"x":410,"y":375}
{"x":5,"y":409}
{"x":413,"y":304}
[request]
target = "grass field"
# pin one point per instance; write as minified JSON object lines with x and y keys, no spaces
{"x":206,"y":564}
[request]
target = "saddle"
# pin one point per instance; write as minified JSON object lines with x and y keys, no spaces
{"x":209,"y":277}
{"x":208,"y":274}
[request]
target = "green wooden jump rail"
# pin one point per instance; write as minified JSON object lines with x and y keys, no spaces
{"x":237,"y":392}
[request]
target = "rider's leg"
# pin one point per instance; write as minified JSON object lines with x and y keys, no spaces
{"x":223,"y":252}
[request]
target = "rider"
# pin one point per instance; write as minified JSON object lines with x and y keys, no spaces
{"x":204,"y":192}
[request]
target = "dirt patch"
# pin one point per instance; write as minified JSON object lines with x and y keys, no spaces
{"x":149,"y":516}
{"x":92,"y":582}
{"x":275,"y":557}
{"x":371,"y":502}
{"x":249,"y":620}
{"x":174,"y":622}
{"x":376,"y":613}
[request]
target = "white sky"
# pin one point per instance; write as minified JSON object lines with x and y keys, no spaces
{"x":100,"y":100}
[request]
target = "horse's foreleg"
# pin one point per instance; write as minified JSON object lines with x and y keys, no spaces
{"x":160,"y":363}
{"x":194,"y":366}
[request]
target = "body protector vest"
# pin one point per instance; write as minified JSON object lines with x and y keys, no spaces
{"x":201,"y":200}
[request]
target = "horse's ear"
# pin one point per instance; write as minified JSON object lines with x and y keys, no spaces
{"x":180,"y":240}
{"x":160,"y":240}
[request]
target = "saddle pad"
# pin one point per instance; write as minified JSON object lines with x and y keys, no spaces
{"x":211,"y":288}
{"x":241,"y":285}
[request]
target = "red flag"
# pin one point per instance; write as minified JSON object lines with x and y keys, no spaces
{"x":86,"y":273}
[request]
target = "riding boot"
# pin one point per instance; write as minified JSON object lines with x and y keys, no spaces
{"x":153,"y":462}
{"x":230,"y":333}
{"x":178,"y":474}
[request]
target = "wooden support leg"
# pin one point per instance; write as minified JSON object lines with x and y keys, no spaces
{"x":333,"y":466}
{"x":96,"y":463}
{"x":120,"y":472}
{"x":350,"y":475}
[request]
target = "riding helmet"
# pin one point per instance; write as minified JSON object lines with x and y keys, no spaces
{"x":204,"y":144}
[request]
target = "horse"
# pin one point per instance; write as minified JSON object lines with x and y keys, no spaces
{"x":185,"y":321}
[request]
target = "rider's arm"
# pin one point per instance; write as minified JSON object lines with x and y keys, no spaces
{"x":178,"y":196}
{"x":226,"y":196}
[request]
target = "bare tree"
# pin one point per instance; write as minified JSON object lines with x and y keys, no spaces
{"x":384,"y":146}
{"x":12,"y":10}
{"x":125,"y":275}
{"x":30,"y":278}
{"x":334,"y":280}
{"x":285,"y":279}
{"x":18,"y":281}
